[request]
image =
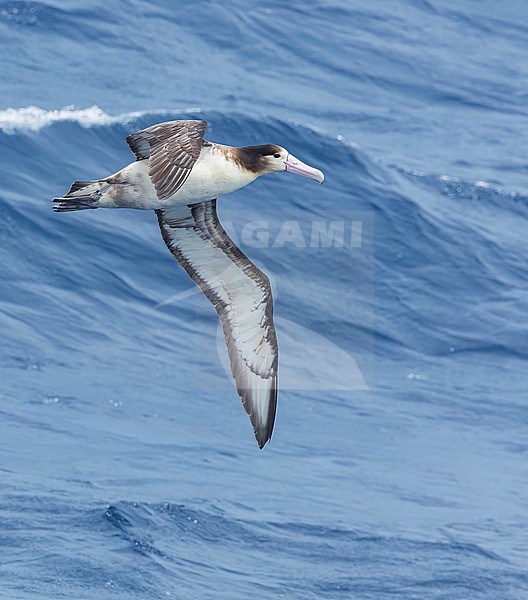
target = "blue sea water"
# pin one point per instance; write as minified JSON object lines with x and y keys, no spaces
{"x":399,"y":462}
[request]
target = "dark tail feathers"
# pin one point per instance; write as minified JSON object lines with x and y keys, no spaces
{"x":82,"y":195}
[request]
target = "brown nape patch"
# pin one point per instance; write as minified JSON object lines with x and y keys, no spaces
{"x":253,"y":158}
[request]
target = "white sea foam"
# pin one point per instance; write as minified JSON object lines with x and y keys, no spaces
{"x":34,"y":118}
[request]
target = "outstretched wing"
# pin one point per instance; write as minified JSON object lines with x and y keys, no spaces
{"x":172,"y":149}
{"x":241,"y":295}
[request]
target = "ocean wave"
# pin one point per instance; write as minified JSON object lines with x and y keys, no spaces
{"x":338,"y":560}
{"x":33,"y":118}
{"x":426,"y":311}
{"x":128,"y":466}
{"x":417,"y":217}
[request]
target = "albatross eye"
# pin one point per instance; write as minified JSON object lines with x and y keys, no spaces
{"x":276,"y":156}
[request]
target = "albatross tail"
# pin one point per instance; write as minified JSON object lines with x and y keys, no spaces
{"x":81,"y":196}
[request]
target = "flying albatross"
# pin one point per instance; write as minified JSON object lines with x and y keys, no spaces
{"x":180,"y":175}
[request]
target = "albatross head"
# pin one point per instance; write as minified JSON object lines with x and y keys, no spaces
{"x":273,"y":159}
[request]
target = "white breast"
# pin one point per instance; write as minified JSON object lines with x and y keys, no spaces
{"x":213,"y":175}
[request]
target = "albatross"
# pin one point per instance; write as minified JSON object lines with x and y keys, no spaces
{"x":180,"y":175}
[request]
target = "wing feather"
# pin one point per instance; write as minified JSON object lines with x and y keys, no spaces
{"x":241,"y":295}
{"x":172,"y":148}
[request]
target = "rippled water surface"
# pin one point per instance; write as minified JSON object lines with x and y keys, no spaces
{"x":398,"y":466}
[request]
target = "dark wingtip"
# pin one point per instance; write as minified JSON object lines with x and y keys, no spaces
{"x":264,"y":430}
{"x":263,"y":436}
{"x":261,"y":443}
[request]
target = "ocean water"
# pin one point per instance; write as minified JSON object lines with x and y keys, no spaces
{"x":399,"y":463}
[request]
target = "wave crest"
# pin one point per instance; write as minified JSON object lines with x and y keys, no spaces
{"x":33,"y":118}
